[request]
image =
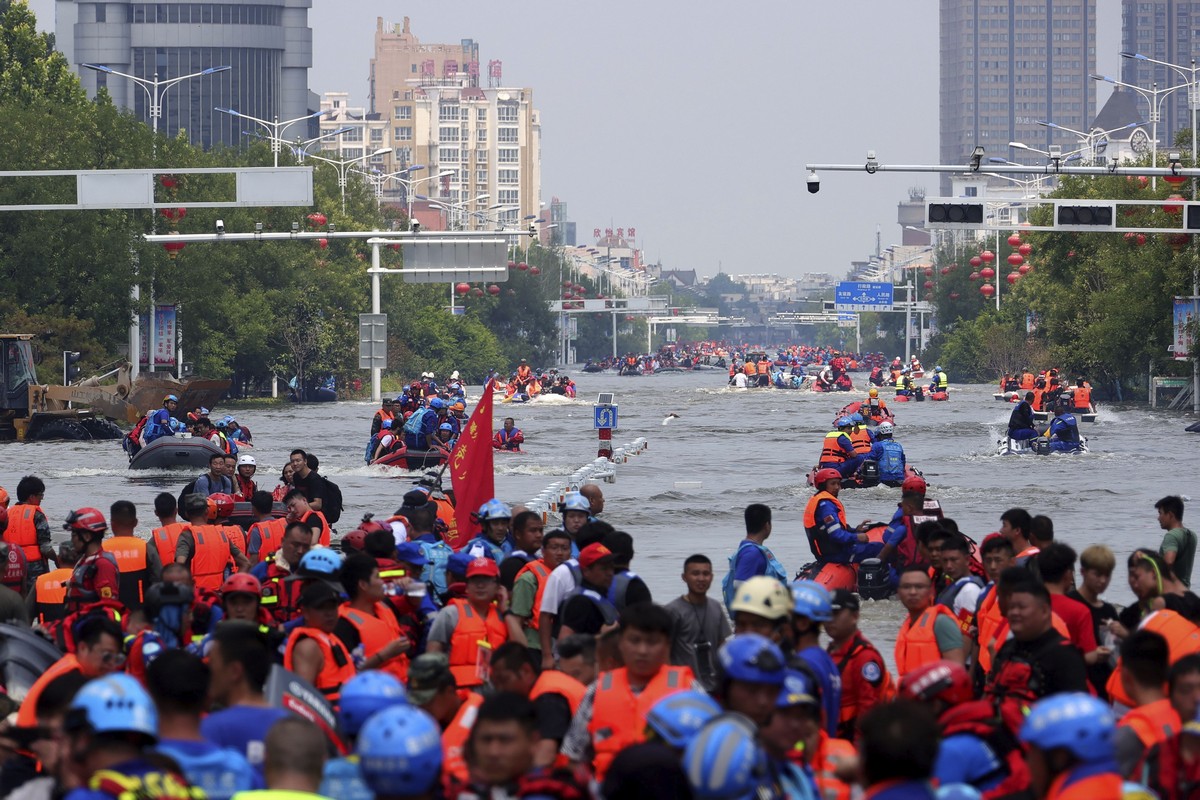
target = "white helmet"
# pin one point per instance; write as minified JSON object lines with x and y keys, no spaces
{"x":764,"y":596}
{"x":885,"y":429}
{"x":247,"y":461}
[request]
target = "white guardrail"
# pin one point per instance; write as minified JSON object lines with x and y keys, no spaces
{"x":549,"y":499}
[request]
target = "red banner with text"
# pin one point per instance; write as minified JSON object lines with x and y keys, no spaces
{"x":471,"y":469}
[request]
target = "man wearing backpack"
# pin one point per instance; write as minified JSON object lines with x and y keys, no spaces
{"x":420,"y":431}
{"x":306,"y":479}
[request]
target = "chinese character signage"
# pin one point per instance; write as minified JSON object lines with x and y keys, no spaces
{"x":165,"y":337}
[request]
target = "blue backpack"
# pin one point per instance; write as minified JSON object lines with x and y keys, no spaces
{"x":221,"y":773}
{"x":438,"y":555}
{"x":891,"y":467}
{"x":413,"y":424}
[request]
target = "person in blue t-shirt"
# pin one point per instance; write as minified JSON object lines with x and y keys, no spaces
{"x":752,"y":558}
{"x":240,"y":661}
{"x":162,"y":422}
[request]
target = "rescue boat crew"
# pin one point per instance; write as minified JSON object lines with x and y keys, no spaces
{"x":28,"y":527}
{"x":825,"y":521}
{"x":930,"y":632}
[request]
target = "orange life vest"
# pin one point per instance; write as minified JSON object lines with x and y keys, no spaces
{"x":618,"y":715}
{"x":1027,"y":380}
{"x":336,"y":667}
{"x":130,"y":553}
{"x":831,"y":451}
{"x":861,"y":440}
{"x":323,"y":538}
{"x":552,"y":681}
{"x":816,"y":535}
{"x":1183,"y":638}
{"x":454,"y":738}
{"x":210,"y":557}
{"x":830,"y":753}
{"x":762,"y":367}
{"x":1107,"y":786}
{"x":22,"y":531}
{"x":916,"y":644}
{"x":988,"y":620}
{"x":50,"y":592}
{"x":270,"y":534}
{"x":166,"y":539}
{"x":470,"y":634}
{"x":377,"y":631}
{"x":1037,"y":398}
{"x":1153,"y":723}
{"x":26,"y":714}
{"x":235,"y":535}
{"x":1082,"y":396}
{"x":541,"y":572}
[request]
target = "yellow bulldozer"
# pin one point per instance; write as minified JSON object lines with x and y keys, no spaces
{"x":30,"y":411}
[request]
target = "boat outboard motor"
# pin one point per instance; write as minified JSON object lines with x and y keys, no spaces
{"x":918,"y":394}
{"x":868,"y":474}
{"x":874,"y":580}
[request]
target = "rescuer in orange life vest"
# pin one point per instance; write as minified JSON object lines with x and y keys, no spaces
{"x":313,"y":652}
{"x":469,"y":629}
{"x":555,"y":695}
{"x":28,"y":527}
{"x":930,"y":632}
{"x":138,"y":563}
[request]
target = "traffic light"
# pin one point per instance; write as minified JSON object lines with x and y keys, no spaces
{"x":70,"y":370}
{"x":1084,"y":218}
{"x":953,"y":215}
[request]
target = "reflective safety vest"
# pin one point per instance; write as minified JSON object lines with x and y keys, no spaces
{"x":22,"y":530}
{"x":472,"y":634}
{"x":211,"y":555}
{"x":943,"y":382}
{"x":818,"y":539}
{"x":148,"y":785}
{"x":916,"y":644}
{"x":1183,"y":638}
{"x":831,"y":451}
{"x":336,"y":666}
{"x":541,"y":572}
{"x":166,"y":539}
{"x":552,"y":681}
{"x":830,"y":754}
{"x":454,"y":738}
{"x":280,"y":597}
{"x":860,"y":437}
{"x":130,"y":553}
{"x":1106,"y":786}
{"x":1153,"y":723}
{"x":618,"y":715}
{"x":377,"y":631}
{"x":270,"y":534}
{"x":50,"y":592}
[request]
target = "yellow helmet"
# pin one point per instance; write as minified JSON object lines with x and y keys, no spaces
{"x":766,"y":597}
{"x":874,"y":392}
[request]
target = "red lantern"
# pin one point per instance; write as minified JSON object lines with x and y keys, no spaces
{"x":987,"y":289}
{"x":987,"y":273}
{"x":579,"y":287}
{"x":534,"y":271}
{"x":173,"y":249}
{"x":1143,"y":180}
{"x":1015,"y":259}
{"x":630,"y":318}
{"x":1141,"y":239}
{"x":945,"y":270}
{"x":512,"y":264}
{"x":567,"y":295}
{"x":1014,"y":240}
{"x":954,"y":295}
{"x":1177,"y":241}
{"x":168,"y":181}
{"x":317,"y":219}
{"x":988,"y":256}
{"x":566,"y":284}
{"x":976,"y":261}
{"x":493,"y":290}
{"x":1013,"y":277}
{"x":1174,"y":208}
{"x":1024,"y":269}
{"x":974,"y":276}
{"x":322,"y":243}
{"x":522,"y":266}
{"x":1070,"y":254}
{"x":928,"y":284}
{"x":1025,"y":249}
{"x":1175,"y":180}
{"x":477,"y":292}
{"x":462,"y":288}
{"x":395,"y":247}
{"x":929,"y":272}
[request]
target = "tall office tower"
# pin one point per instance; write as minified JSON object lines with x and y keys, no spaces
{"x":267,"y":45}
{"x":1164,"y":31}
{"x":1008,"y":65}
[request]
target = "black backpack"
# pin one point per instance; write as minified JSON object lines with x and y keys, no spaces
{"x":331,"y":505}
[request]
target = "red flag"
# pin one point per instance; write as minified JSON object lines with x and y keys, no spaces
{"x":471,"y":469}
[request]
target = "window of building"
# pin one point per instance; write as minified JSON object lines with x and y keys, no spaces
{"x":481,"y":135}
{"x":508,"y":176}
{"x":353,"y":134}
{"x":506,"y":112}
{"x":481,"y":156}
{"x":402,"y":154}
{"x":403,"y":134}
{"x":376,"y":135}
{"x":448,"y":134}
{"x":448,"y":112}
{"x":508,"y":197}
{"x":403,"y":112}
{"x":352,"y":152}
{"x":481,"y":115}
{"x":101,"y":12}
{"x":481,"y":177}
{"x":448,"y":155}
{"x":506,"y":135}
{"x":508,"y":155}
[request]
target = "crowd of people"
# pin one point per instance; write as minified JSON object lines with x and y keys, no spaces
{"x":536,"y":663}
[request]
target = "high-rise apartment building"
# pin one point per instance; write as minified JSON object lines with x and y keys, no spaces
{"x":267,"y":45}
{"x":1005,"y":66}
{"x":1163,"y":30}
{"x":400,"y":58}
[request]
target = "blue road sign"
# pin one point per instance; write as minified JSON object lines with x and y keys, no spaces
{"x":857,"y":296}
{"x":604,"y":417}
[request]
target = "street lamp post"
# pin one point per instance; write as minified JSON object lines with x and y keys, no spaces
{"x":154,"y":89}
{"x":1095,"y":142}
{"x":275,"y":128}
{"x":299,"y":148}
{"x":1154,"y":98}
{"x":343,"y":167}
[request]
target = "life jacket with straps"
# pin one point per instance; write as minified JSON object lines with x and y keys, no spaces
{"x":472,"y":634}
{"x":1027,"y":380}
{"x":337,"y":666}
{"x":891,"y":466}
{"x":552,"y":681}
{"x":437,"y":556}
{"x":943,"y":382}
{"x":1153,"y":723}
{"x":22,"y":531}
{"x":540,"y":572}
{"x":988,"y":621}
{"x":980,"y":719}
{"x":1183,"y":638}
{"x":831,"y":450}
{"x":618,"y":715}
{"x":605,"y":606}
{"x":1014,"y":684}
{"x":280,"y":597}
{"x":860,"y":437}
{"x":210,"y":557}
{"x":1104,"y":786}
{"x":1082,"y":398}
{"x":950,"y":594}
{"x":49,"y":594}
{"x":774,"y":569}
{"x":166,"y":539}
{"x":219,"y":774}
{"x":916,"y":644}
{"x":270,"y":535}
{"x":619,"y":588}
{"x":831,"y":753}
{"x":1168,"y":774}
{"x":377,"y":631}
{"x":818,"y":539}
{"x":130,"y":553}
{"x":454,"y":737}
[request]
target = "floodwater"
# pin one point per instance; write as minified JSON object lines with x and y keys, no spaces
{"x":727,"y":448}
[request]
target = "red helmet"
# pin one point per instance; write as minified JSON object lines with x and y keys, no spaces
{"x":220,"y":506}
{"x":355,"y":540}
{"x":86,"y":519}
{"x":241,"y":582}
{"x":938,"y":680}
{"x":829,"y":473}
{"x":914,"y":484}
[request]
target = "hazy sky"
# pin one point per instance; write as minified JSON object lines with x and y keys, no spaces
{"x":693,"y":125}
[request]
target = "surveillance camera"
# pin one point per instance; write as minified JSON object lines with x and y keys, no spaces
{"x":416,"y":226}
{"x":814,"y":182}
{"x":220,"y":226}
{"x":258,"y":227}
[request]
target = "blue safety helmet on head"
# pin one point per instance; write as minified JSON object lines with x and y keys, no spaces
{"x":322,"y":562}
{"x":494,"y":509}
{"x":400,"y":751}
{"x":437,"y":403}
{"x":574,"y":501}
{"x":856,"y":418}
{"x":724,"y":761}
{"x":113,"y":704}
{"x":812,"y":601}
{"x":1075,"y":722}
{"x":386,"y":424}
{"x":680,"y":716}
{"x":845,"y":422}
{"x":365,"y":694}
{"x":446,"y":426}
{"x":751,"y":658}
{"x":799,"y":689}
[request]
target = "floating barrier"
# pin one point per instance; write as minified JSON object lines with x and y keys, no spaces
{"x":605,"y":469}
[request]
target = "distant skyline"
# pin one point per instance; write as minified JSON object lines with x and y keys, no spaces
{"x":694,"y":127}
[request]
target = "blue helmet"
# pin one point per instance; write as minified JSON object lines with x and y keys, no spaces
{"x":114,"y":704}
{"x":958,"y":791}
{"x":437,"y":403}
{"x":724,"y":761}
{"x":799,"y":689}
{"x":366,"y":693}
{"x":856,"y":418}
{"x":400,"y":751}
{"x":845,"y":422}
{"x":494,"y":509}
{"x":386,"y":424}
{"x":446,"y":426}
{"x":1074,"y":721}
{"x":812,"y":601}
{"x":751,"y":658}
{"x":678,"y":717}
{"x":574,"y":501}
{"x":937,"y":369}
{"x":321,"y":562}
